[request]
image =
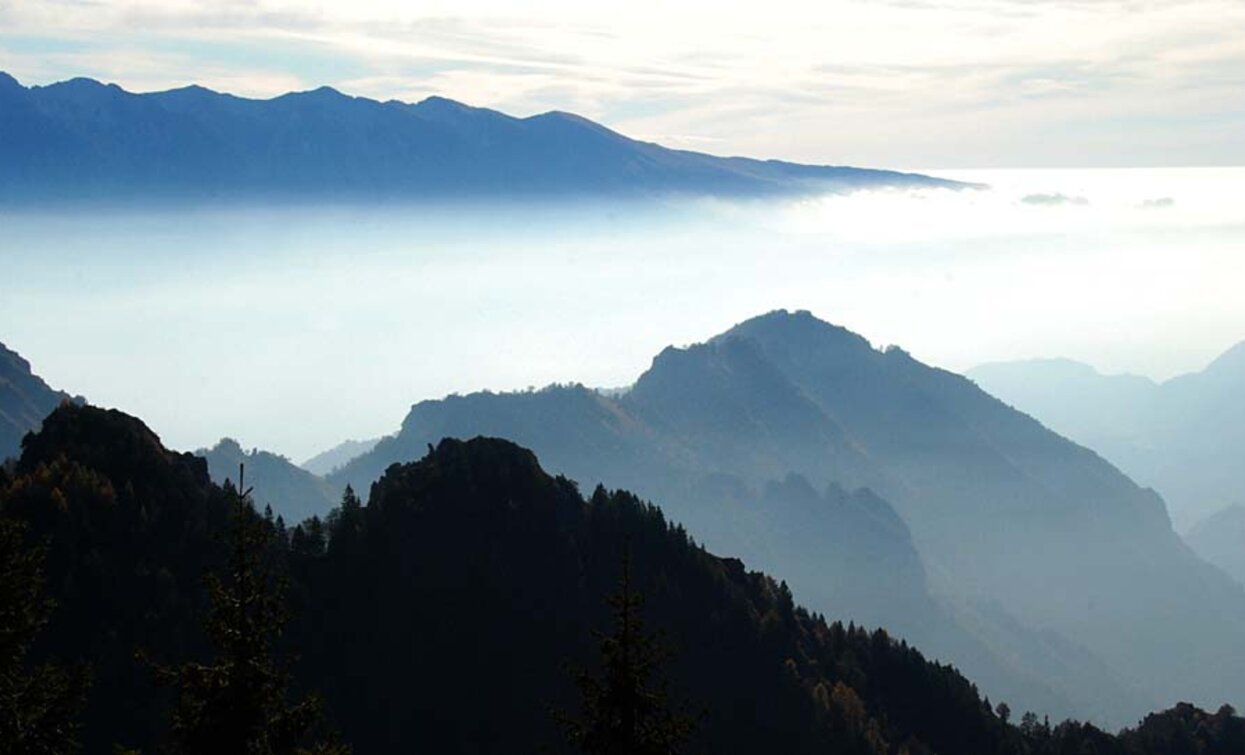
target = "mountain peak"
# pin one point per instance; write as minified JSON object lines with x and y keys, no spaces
{"x":799,"y":329}
{"x":115,"y":443}
{"x":82,"y":84}
{"x":436,"y":101}
{"x":325,"y":93}
{"x":481,"y":465}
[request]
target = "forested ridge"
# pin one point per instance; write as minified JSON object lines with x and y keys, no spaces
{"x":450,"y":613}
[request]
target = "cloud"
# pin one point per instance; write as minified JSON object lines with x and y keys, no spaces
{"x":1053,"y":200}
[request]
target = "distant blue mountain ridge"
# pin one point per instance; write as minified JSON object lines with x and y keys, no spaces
{"x":81,"y":139}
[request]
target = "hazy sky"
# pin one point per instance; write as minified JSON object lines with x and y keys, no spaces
{"x":907,"y":83}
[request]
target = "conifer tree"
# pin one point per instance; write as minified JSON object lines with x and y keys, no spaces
{"x":625,"y":709}
{"x":238,"y":703}
{"x":39,"y":706}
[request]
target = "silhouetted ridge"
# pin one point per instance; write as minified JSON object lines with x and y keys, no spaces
{"x":131,"y":528}
{"x":82,"y":139}
{"x":113,"y":443}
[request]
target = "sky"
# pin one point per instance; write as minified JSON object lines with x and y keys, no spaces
{"x":891,"y":83}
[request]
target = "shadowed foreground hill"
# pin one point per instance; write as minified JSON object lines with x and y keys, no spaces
{"x":1066,"y":570}
{"x":24,"y":401}
{"x":442,"y":617}
{"x":84,"y":139}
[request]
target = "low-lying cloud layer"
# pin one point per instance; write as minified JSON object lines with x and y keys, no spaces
{"x":1053,"y":200}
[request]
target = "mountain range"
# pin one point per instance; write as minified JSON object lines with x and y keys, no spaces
{"x":971,"y":529}
{"x":1185,"y":437}
{"x":470,"y":568}
{"x":82,"y":139}
{"x":884,"y":491}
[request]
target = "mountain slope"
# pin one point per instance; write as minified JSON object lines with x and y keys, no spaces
{"x":84,"y":139}
{"x":484,"y":580}
{"x":1184,"y":437}
{"x":1038,"y":548}
{"x":293,"y":493}
{"x":24,"y":401}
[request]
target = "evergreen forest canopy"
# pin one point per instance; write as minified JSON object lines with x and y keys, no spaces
{"x":447,"y":615}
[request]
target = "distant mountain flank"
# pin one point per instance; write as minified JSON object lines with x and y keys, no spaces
{"x":25,"y":399}
{"x":329,"y":461}
{"x":1185,"y":436}
{"x":293,"y":493}
{"x":1220,"y":539}
{"x":81,"y":139}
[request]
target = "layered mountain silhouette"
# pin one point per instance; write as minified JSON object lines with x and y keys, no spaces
{"x":446,"y":614}
{"x":1067,"y":571}
{"x":84,"y":139}
{"x":1185,"y":437}
{"x":293,"y":493}
{"x":25,"y":399}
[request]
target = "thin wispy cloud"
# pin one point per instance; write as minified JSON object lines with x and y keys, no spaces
{"x":909,"y":83}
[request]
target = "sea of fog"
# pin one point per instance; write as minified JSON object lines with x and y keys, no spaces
{"x":292,"y":328}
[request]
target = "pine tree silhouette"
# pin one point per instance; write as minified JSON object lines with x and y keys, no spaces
{"x":238,"y":704}
{"x":625,"y":709}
